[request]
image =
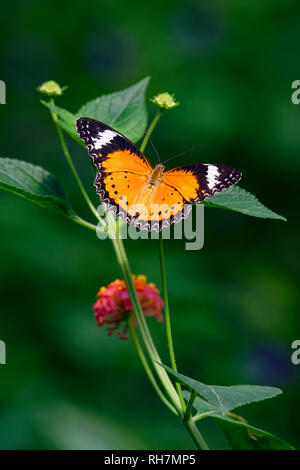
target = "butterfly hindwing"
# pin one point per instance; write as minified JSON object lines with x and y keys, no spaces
{"x":169,"y":207}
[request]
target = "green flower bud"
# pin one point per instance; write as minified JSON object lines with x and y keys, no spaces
{"x":51,"y":88}
{"x":164,"y":101}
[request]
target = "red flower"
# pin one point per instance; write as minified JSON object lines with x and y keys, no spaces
{"x":114,"y":306}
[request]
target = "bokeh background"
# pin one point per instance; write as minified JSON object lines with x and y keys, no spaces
{"x":234,"y":303}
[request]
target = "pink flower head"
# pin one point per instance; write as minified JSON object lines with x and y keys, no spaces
{"x":114,"y":306}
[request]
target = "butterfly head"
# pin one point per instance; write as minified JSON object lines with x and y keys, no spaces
{"x":160,"y":167}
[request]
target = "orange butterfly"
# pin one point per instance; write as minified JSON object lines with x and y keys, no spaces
{"x":149,"y":198}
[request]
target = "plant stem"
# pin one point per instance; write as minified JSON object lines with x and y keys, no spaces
{"x":195,"y":435}
{"x":71,"y":164}
{"x":163,"y":274}
{"x":189,"y":424}
{"x":199,"y":416}
{"x":146,"y":335}
{"x":167,"y":317}
{"x":150,"y":129}
{"x":82,"y":222}
{"x":122,"y":259}
{"x":190,"y":405}
{"x":147,"y":367}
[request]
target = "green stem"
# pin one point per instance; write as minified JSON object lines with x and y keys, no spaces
{"x":190,"y":405}
{"x":189,"y":424}
{"x":199,"y":416}
{"x":150,"y":129}
{"x":147,"y":367}
{"x":167,"y":317}
{"x":163,"y":273}
{"x":146,"y":335}
{"x":122,"y":259}
{"x":71,"y":164}
{"x":82,"y":222}
{"x":195,"y":435}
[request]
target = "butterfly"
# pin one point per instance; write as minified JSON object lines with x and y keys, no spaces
{"x":146,"y":197}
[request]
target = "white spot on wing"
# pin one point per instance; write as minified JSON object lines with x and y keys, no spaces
{"x":104,"y":138}
{"x":212,"y":176}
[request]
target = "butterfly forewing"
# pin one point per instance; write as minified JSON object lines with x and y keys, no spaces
{"x":197,"y":182}
{"x":101,"y":141}
{"x":122,"y":168}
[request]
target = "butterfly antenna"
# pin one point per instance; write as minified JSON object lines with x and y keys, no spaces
{"x":183,"y":153}
{"x":154,"y":149}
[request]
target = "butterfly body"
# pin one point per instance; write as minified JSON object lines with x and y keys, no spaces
{"x":150,"y":198}
{"x":153,"y":181}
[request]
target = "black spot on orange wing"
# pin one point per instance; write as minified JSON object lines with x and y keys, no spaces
{"x":167,"y":207}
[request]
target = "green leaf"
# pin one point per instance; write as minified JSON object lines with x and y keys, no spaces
{"x":35,"y":184}
{"x":239,"y":200}
{"x":224,"y":399}
{"x":124,"y":110}
{"x":240,"y":434}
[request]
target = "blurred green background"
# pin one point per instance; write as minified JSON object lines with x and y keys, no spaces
{"x":234,"y":303}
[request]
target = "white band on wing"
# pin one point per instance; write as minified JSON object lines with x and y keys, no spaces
{"x":212,"y":176}
{"x":103,"y":138}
